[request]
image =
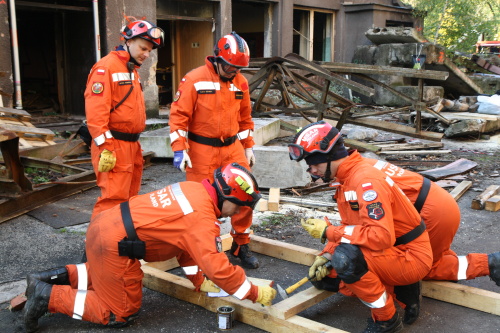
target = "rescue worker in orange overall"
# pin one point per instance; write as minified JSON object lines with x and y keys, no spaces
{"x":116,"y":114}
{"x":211,"y":125}
{"x":381,"y":242}
{"x":180,"y":221}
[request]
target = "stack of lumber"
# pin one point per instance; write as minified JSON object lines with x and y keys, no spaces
{"x":489,"y":199}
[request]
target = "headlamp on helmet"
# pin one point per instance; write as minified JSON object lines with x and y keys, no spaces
{"x":236,"y":184}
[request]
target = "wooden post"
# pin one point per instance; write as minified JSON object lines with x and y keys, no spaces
{"x":479,"y":201}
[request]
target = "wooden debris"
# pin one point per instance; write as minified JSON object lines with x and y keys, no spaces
{"x":18,"y":121}
{"x":410,"y":145}
{"x":460,"y":166}
{"x":493,"y":203}
{"x":479,"y":201}
{"x":458,"y":191}
{"x":262,"y":205}
{"x":415,"y":152}
{"x":274,"y":199}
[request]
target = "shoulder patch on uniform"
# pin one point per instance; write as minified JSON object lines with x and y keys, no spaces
{"x":177,"y":95}
{"x":97,"y":88}
{"x":370,"y":195}
{"x":101,"y":71}
{"x":218,"y":243}
{"x":375,"y":210}
{"x":366,"y":186}
{"x":238,"y":94}
{"x":244,"y":86}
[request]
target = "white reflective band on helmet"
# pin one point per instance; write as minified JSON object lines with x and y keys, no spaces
{"x":102,"y":138}
{"x":350,"y":195}
{"x":190,"y":270}
{"x":206,"y":85}
{"x":177,"y":134}
{"x":380,"y":164}
{"x":245,"y":134}
{"x":243,"y":290}
{"x":348,"y":230}
{"x":181,"y":199}
{"x":463,"y":264}
{"x":122,"y":77}
{"x":79,"y":307}
{"x":389,"y":181}
{"x":232,"y":87}
{"x":380,"y":303}
{"x":82,"y":276}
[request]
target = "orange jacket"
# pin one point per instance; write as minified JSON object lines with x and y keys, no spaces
{"x":374,"y":210}
{"x":207,"y":106}
{"x":108,"y":83}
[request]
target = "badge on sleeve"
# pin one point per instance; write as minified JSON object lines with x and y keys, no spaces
{"x":97,"y":88}
{"x":218,"y":244}
{"x":370,"y":195}
{"x":177,"y":95}
{"x":375,"y":210}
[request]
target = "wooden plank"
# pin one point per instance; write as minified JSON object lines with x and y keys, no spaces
{"x":262,"y":205}
{"x":274,"y":199}
{"x":290,"y":252}
{"x":479,"y":201}
{"x":470,"y":297}
{"x":308,"y":203}
{"x":299,"y":302}
{"x":20,"y":114}
{"x":492,"y":204}
{"x":404,"y":146}
{"x":362,"y":146}
{"x":414,"y":152}
{"x":458,"y":167}
{"x":245,"y":311}
{"x":458,"y":191}
{"x":31,"y":130}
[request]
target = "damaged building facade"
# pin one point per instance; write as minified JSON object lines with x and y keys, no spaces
{"x":47,"y":47}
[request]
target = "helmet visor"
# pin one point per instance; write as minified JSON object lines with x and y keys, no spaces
{"x":230,"y":69}
{"x":296,"y":152}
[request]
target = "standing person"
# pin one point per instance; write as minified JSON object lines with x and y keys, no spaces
{"x":116,"y":114}
{"x":211,"y":125}
{"x":180,"y":221}
{"x":382,"y":241}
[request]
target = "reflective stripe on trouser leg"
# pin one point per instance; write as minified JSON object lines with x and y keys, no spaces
{"x":81,"y":294}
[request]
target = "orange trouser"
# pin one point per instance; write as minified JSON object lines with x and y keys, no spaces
{"x":205,"y":160}
{"x":386,"y":269}
{"x":124,"y":181}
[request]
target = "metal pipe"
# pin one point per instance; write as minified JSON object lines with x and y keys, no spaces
{"x":15,"y":51}
{"x":96,"y":30}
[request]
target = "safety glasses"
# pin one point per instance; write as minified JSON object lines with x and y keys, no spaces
{"x":155,"y":33}
{"x":230,"y":69}
{"x":296,"y":152}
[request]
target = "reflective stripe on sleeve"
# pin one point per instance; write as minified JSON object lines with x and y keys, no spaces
{"x":348,"y":230}
{"x":177,"y":134}
{"x":190,"y":270}
{"x":181,"y":199}
{"x":243,"y":290}
{"x":79,"y":304}
{"x":245,"y":134}
{"x":232,"y":87}
{"x":102,"y":138}
{"x":379,"y":165}
{"x":463,"y":264}
{"x":350,"y":195}
{"x":122,"y":77}
{"x":206,"y":85}
{"x":389,"y":181}
{"x":82,"y":276}
{"x":380,"y":303}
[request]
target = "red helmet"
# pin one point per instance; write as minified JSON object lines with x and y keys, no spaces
{"x":318,"y":137}
{"x":145,"y":30}
{"x":236,"y":184}
{"x":233,"y":50}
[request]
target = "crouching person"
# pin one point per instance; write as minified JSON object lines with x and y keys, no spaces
{"x":180,"y":221}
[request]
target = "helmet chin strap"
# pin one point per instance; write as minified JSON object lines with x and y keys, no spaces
{"x":326,"y":178}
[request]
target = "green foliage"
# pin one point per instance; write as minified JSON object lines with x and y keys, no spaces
{"x":37,"y":176}
{"x":458,"y":24}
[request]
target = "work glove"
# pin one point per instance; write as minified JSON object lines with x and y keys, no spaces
{"x":181,"y":158}
{"x":319,"y":269}
{"x":250,"y":156}
{"x":315,"y":227}
{"x":209,"y":287}
{"x":107,"y":161}
{"x":266,"y":294}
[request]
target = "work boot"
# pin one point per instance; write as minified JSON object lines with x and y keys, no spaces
{"x":37,"y":304}
{"x":411,"y":296}
{"x":52,"y":276}
{"x":243,"y":252}
{"x":392,"y":325}
{"x":494,"y":265}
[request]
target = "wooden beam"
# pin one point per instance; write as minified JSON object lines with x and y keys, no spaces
{"x":289,"y":252}
{"x":492,"y":204}
{"x":299,"y":302}
{"x":458,"y":167}
{"x":274,"y":199}
{"x":479,"y":201}
{"x":414,"y":152}
{"x":458,"y":191}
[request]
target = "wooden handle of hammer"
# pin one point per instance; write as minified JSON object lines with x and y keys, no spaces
{"x":292,"y":288}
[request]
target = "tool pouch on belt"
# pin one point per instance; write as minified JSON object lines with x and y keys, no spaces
{"x":84,"y":133}
{"x":130,"y":246}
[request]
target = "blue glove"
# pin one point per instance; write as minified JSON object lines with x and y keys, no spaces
{"x":181,"y":158}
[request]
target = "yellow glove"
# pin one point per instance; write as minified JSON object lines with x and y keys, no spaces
{"x":209,"y":287}
{"x":107,"y":161}
{"x":266,"y":295}
{"x":315,"y":227}
{"x":318,"y":269}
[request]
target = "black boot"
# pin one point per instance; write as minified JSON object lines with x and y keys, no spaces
{"x":243,"y":252}
{"x":51,"y":276}
{"x":392,"y":325}
{"x":411,"y":296}
{"x":37,"y":304}
{"x":494,"y":265}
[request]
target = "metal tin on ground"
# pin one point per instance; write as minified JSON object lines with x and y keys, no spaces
{"x":225,"y":317}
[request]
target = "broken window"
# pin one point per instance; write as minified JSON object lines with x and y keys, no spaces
{"x":312,"y":34}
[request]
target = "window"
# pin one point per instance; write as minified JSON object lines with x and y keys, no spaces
{"x":313,"y":34}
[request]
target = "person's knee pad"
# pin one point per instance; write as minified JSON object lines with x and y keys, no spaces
{"x":349,"y":263}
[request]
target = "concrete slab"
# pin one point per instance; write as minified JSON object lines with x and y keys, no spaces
{"x":158,"y":141}
{"x":275,"y":169}
{"x":387,"y":35}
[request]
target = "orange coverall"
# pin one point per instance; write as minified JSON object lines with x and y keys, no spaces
{"x":441,"y":215}
{"x":108,"y":83}
{"x":180,"y":221}
{"x":374,"y":213}
{"x":209,"y":107}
